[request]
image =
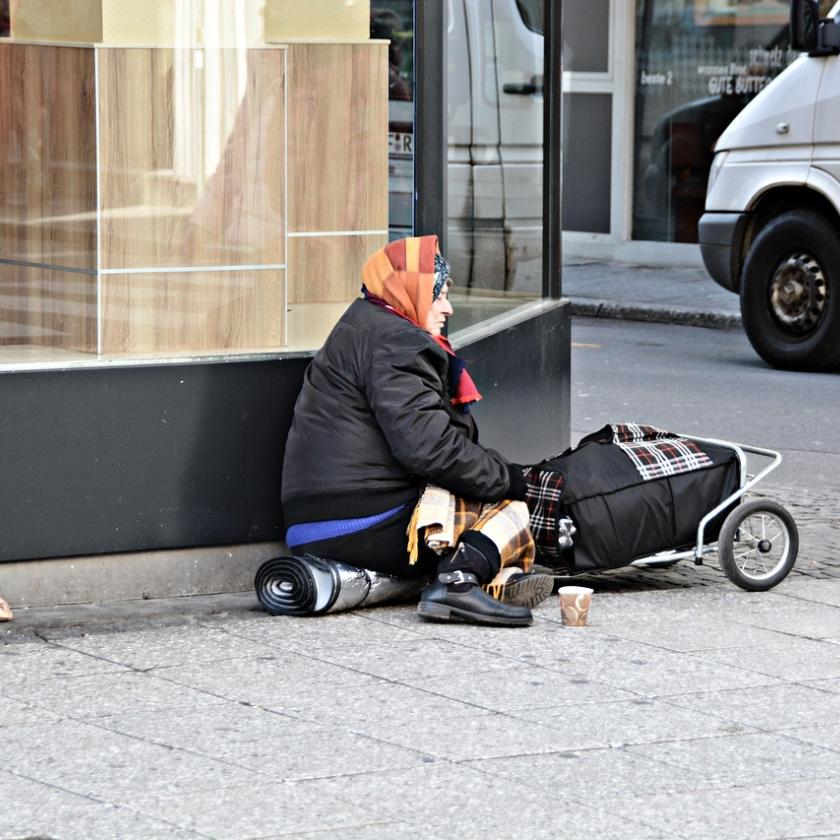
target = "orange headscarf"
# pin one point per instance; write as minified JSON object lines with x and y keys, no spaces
{"x":403,"y":275}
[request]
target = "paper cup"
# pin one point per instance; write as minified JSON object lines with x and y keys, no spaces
{"x":574,"y":605}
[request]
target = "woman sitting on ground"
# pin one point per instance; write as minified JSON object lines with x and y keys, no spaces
{"x":383,"y":414}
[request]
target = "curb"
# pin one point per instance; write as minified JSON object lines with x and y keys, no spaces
{"x":593,"y":308}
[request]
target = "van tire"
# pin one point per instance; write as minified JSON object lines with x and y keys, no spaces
{"x":790,"y":292}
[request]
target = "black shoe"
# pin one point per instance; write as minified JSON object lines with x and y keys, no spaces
{"x":440,"y":602}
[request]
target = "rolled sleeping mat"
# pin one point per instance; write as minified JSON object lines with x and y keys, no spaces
{"x":310,"y":585}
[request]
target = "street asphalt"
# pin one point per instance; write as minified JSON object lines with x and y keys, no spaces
{"x":688,"y":708}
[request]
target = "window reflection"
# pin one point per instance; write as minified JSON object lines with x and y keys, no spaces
{"x":698,"y":62}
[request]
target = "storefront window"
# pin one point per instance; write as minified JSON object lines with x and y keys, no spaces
{"x":212,"y":192}
{"x":698,"y":63}
{"x":495,"y":135}
{"x":394,"y":20}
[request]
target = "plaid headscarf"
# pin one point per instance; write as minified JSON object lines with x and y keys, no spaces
{"x":405,"y":277}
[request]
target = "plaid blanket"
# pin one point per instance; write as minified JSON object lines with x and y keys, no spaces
{"x":442,"y":517}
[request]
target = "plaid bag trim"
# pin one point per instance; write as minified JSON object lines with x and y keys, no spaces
{"x":659,"y":458}
{"x":545,"y":488}
{"x":636,"y":432}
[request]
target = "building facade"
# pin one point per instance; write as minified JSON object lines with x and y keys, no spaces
{"x":188,"y":191}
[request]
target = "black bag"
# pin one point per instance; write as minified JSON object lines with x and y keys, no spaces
{"x":630,"y":491}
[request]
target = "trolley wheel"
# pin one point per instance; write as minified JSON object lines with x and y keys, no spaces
{"x":758,"y":544}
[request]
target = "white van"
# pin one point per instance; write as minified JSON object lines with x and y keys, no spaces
{"x":771,"y":227}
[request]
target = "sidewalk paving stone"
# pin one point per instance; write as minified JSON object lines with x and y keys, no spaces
{"x":522,"y":687}
{"x":160,"y":647}
{"x":38,"y":811}
{"x":31,"y":663}
{"x":730,"y":760}
{"x":754,"y":810}
{"x":770,"y":708}
{"x":282,"y":748}
{"x":106,"y":694}
{"x":578,"y":772}
{"x":465,"y":802}
{"x":258,"y":811}
{"x":627,"y":722}
{"x":91,"y":761}
{"x":789,"y":658}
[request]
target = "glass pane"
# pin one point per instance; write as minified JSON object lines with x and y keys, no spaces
{"x":698,"y":63}
{"x":495,"y":131}
{"x":215,"y":198}
{"x":586,"y":36}
{"x":394,"y":21}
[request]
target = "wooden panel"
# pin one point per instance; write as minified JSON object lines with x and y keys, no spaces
{"x":338,"y":137}
{"x":192,"y":171}
{"x":44,"y":308}
{"x":328,"y":269}
{"x":192,"y":311}
{"x":47,"y":155}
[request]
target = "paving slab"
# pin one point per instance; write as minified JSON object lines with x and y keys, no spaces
{"x":418,"y":659}
{"x":36,"y":811}
{"x":160,"y":647}
{"x":28,"y":664}
{"x":313,"y":634}
{"x":648,"y":671}
{"x":262,"y":811}
{"x":274,"y":745}
{"x":520,"y":688}
{"x":824,"y":736}
{"x":795,"y":617}
{"x":792,"y":659}
{"x":16,"y":713}
{"x":106,"y":694}
{"x":626,"y":722}
{"x":770,"y":708}
{"x":367,"y":708}
{"x":578,"y":772}
{"x":491,"y":735}
{"x":465,"y":802}
{"x":814,"y":590}
{"x":745,"y":759}
{"x":375,"y":831}
{"x":112,"y":767}
{"x":775,"y":811}
{"x":274,"y":680}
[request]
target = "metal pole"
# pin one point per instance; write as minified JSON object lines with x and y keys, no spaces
{"x":430,"y":157}
{"x":552,"y":151}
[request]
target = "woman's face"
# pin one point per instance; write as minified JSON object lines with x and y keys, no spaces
{"x":440,"y":311}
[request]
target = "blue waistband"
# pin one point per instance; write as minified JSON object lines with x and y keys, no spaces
{"x":307,"y":532}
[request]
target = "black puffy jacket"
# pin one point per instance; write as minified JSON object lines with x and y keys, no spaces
{"x":373,"y":423}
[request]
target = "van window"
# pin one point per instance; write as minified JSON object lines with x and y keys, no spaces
{"x":533,"y":14}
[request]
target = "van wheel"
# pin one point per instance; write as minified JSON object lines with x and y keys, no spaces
{"x":790,"y":292}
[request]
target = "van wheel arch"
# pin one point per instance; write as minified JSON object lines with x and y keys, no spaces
{"x":773,"y":203}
